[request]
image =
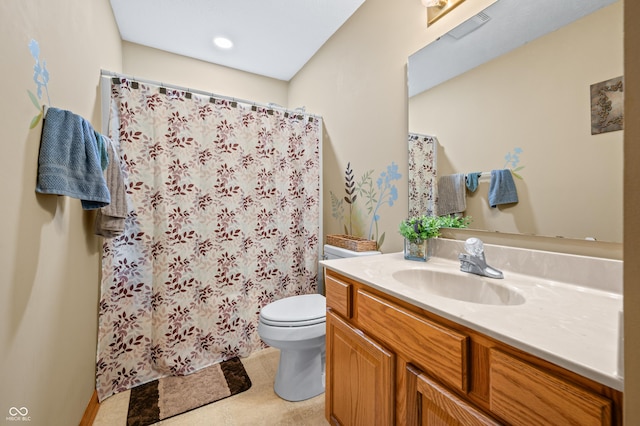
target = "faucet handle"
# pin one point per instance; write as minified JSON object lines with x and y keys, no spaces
{"x":474,"y":246}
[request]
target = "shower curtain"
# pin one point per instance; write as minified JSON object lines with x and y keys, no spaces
{"x":423,"y":194}
{"x":224,"y":218}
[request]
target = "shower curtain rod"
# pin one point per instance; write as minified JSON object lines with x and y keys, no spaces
{"x":106,"y":73}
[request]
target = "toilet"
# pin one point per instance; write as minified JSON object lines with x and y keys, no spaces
{"x":296,"y":326}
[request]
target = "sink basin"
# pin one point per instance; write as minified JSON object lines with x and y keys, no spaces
{"x":467,"y":288}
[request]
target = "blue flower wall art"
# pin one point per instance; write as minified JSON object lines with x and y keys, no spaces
{"x":373,"y":194}
{"x":512,"y":159}
{"x":41,"y":78}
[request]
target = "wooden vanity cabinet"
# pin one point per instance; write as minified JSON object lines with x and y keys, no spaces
{"x":392,"y":363}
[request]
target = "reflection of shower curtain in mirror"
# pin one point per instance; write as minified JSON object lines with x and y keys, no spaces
{"x":223,"y":219}
{"x":422,"y":174}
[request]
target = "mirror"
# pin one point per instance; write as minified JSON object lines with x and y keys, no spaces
{"x":511,"y":89}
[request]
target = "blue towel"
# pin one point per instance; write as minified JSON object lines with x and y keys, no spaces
{"x":502,"y":189}
{"x":472,"y":180}
{"x":69,"y":161}
{"x":102,"y":151}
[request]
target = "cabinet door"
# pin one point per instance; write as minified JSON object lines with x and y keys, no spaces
{"x":359,"y":377}
{"x":431,"y":404}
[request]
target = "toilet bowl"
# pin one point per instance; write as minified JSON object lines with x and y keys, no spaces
{"x":296,"y":326}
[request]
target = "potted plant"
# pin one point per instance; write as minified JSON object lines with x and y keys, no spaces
{"x":418,"y":230}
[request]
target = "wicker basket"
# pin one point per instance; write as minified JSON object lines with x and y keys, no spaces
{"x":352,"y":243}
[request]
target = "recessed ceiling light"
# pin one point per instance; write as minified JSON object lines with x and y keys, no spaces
{"x":223,"y":42}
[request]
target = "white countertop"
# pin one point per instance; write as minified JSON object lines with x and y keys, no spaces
{"x":575,"y":327}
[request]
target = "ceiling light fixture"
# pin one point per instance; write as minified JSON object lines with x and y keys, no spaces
{"x":223,"y":42}
{"x":434,"y":3}
{"x":436,"y":9}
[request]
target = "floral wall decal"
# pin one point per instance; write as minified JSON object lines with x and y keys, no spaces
{"x":512,"y":159}
{"x":349,"y":189}
{"x":374,"y":195}
{"x":41,"y":78}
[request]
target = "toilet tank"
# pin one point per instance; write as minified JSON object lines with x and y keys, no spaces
{"x":333,"y":252}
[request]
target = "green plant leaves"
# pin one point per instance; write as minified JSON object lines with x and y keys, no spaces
{"x":425,"y":227}
{"x":37,"y":118}
{"x":34,"y":100}
{"x":513,"y":172}
{"x":35,"y":121}
{"x":350,"y":185}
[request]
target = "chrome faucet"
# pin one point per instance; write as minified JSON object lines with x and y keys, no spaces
{"x":474,"y":262}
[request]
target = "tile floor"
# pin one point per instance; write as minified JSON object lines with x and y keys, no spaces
{"x":257,"y":406}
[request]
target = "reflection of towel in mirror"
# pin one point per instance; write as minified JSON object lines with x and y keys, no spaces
{"x":110,"y":219}
{"x":472,"y":180}
{"x":69,"y":160}
{"x":502,"y":189}
{"x":451,"y":194}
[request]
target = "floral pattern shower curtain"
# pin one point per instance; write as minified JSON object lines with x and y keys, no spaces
{"x":422,"y":174}
{"x":223,"y":219}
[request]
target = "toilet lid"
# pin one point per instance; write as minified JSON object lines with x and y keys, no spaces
{"x":307,"y":309}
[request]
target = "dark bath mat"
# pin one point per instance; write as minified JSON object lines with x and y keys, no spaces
{"x":171,"y":396}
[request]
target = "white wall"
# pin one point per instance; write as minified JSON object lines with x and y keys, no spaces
{"x":48,"y":256}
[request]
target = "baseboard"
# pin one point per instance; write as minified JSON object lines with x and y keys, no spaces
{"x":92,"y":410}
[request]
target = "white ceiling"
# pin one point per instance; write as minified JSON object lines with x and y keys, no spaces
{"x":273,"y":38}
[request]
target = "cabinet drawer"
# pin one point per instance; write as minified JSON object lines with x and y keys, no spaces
{"x":339,"y":296}
{"x":436,"y":405}
{"x":438,"y":350}
{"x":524,"y":395}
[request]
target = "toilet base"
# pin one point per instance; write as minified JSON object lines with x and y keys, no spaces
{"x":301,"y":374}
